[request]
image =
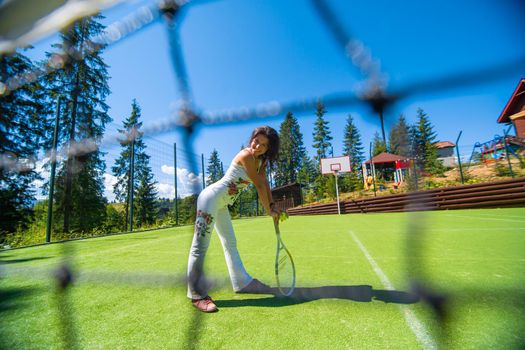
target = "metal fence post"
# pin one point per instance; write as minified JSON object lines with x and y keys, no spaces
{"x":52,"y":176}
{"x":505,"y":134}
{"x":203,"y":173}
{"x":459,"y":158}
{"x":175,"y":182}
{"x":131,"y":183}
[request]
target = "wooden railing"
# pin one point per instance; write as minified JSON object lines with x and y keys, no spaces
{"x":508,"y":193}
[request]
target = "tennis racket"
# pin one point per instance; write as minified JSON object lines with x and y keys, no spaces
{"x":284,"y":266}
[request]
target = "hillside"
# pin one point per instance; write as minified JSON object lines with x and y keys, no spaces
{"x":477,"y":173}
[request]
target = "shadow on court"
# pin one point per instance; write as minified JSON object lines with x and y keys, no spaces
{"x":362,"y":293}
{"x":14,"y":298}
{"x":127,"y":237}
{"x":16,"y":261}
{"x":11,"y":299}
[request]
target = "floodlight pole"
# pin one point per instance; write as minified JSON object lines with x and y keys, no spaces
{"x":132,"y":182}
{"x":337,"y":193}
{"x":459,"y":158}
{"x":372,"y":170}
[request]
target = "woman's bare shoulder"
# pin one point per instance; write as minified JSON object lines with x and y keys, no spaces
{"x":243,"y":157}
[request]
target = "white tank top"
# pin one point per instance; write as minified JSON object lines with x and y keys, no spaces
{"x":234,"y":181}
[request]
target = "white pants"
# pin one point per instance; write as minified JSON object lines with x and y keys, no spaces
{"x":213,"y":211}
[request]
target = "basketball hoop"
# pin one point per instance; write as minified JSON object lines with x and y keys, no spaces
{"x":335,"y":168}
{"x":336,"y":165}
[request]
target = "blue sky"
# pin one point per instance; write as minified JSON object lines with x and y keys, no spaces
{"x":241,"y":53}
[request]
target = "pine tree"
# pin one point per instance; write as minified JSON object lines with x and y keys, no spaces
{"x":214,"y":169}
{"x":423,"y":135}
{"x":23,"y":127}
{"x":145,"y":201}
{"x":378,"y":145}
{"x":412,"y":140}
{"x":115,"y":219}
{"x":352,"y":147}
{"x":424,"y":145}
{"x":291,"y":151}
{"x":322,"y":145}
{"x":145,"y":198}
{"x":399,"y":139}
{"x":308,"y":172}
{"x":330,"y":190}
{"x":143,"y":183}
{"x":271,"y":169}
{"x":321,"y":134}
{"x":82,"y":82}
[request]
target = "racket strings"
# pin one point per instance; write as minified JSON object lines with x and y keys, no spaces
{"x":283,"y":259}
{"x":285,"y":271}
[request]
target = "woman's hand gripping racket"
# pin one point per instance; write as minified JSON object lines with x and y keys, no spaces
{"x":284,"y":266}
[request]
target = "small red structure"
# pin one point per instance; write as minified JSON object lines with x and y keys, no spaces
{"x":388,"y":167}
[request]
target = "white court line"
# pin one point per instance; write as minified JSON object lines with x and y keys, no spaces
{"x":501,"y":216}
{"x":485,"y":218}
{"x":415,"y":325}
{"x":490,"y":229}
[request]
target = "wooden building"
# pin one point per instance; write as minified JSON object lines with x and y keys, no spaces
{"x":288,"y":196}
{"x":445,"y":150}
{"x":514,"y":111}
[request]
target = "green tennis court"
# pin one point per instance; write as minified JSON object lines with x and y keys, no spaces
{"x":352,"y":272}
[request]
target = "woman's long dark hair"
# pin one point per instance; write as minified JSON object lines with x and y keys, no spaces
{"x":273,"y":142}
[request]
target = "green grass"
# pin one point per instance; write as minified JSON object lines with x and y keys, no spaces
{"x":123,"y":300}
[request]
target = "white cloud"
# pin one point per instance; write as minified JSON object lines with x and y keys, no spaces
{"x":166,"y":169}
{"x":109,"y":181}
{"x":165,"y":190}
{"x":45,"y":174}
{"x":188,"y":183}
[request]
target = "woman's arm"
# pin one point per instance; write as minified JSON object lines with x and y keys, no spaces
{"x":262,"y":173}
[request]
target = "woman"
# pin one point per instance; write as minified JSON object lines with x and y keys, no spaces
{"x":248,"y":166}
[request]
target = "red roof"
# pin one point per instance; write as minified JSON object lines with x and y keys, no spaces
{"x":515,"y":102}
{"x":386,"y":158}
{"x":444,"y":144}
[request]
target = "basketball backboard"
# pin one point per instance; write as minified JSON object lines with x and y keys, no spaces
{"x":335,"y":165}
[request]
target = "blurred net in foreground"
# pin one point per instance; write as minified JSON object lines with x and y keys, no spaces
{"x":25,"y":26}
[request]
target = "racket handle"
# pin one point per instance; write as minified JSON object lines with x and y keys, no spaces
{"x":276,"y":225}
